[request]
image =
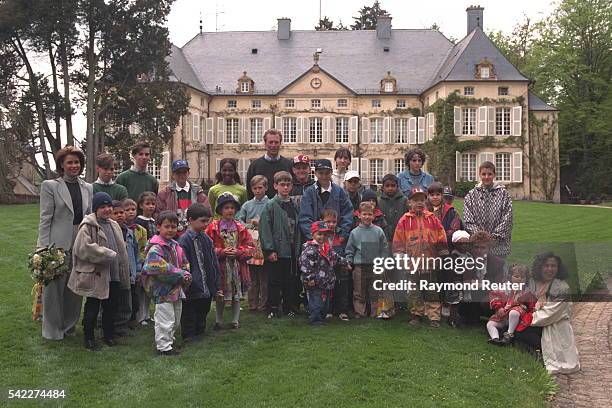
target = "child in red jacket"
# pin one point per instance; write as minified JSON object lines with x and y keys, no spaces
{"x":233,"y":246}
{"x":512,"y":308}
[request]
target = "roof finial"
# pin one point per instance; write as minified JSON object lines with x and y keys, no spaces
{"x":315,"y":56}
{"x":200,"y":21}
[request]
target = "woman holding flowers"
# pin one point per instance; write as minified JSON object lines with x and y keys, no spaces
{"x":64,"y":202}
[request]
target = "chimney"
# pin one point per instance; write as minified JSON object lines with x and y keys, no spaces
{"x":383,"y":26}
{"x":474,"y":17}
{"x":284,"y":28}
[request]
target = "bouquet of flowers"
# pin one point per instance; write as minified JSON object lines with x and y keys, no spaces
{"x":46,"y":264}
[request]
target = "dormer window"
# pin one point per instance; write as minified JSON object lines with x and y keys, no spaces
{"x":388,"y":84}
{"x":245,"y":84}
{"x":484,"y":70}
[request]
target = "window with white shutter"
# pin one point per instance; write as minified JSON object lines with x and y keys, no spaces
{"x":457,"y":120}
{"x":231,"y":131}
{"x":256,"y":127}
{"x":517,"y":167}
{"x":421,"y":130}
{"x":401,"y":130}
{"x":315,"y":134}
{"x":289,"y":130}
{"x":342,"y":130}
{"x":376,"y":172}
{"x":412,"y":131}
{"x":398,"y":165}
{"x":376,"y":130}
{"x":502,"y":166}
{"x":353,"y":129}
{"x":502,"y":121}
{"x":469,"y":121}
{"x":468,"y":167}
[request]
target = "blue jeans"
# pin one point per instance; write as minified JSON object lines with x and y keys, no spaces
{"x":318,"y":304}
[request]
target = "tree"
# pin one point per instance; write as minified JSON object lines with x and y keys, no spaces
{"x":568,"y":56}
{"x":368,"y":15}
{"x":326,"y":24}
{"x":108,"y":55}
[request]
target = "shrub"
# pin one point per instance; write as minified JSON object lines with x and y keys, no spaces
{"x":463,"y":187}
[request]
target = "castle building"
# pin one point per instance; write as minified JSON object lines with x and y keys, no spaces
{"x":370,"y":90}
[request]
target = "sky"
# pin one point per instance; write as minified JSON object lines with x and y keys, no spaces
{"x":248,"y":15}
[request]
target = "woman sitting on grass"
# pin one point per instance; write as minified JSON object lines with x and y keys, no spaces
{"x":550,"y":329}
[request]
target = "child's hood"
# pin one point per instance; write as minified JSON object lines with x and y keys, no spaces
{"x":395,"y":197}
{"x":91,"y":219}
{"x":159,"y":240}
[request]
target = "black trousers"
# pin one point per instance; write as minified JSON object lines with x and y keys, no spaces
{"x":135,"y":303}
{"x":343,"y":290}
{"x":109,"y":308}
{"x":193,"y":317}
{"x":281,"y":284}
{"x":531,"y":337}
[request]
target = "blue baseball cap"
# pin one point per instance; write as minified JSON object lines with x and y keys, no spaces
{"x":179,"y":164}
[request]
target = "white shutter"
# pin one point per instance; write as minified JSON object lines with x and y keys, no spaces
{"x":386,"y":130}
{"x":242,"y":168}
{"x":187,"y":124}
{"x":491,"y":120}
{"x":517,"y":167}
{"x":353,"y":129}
{"x":457,"y":120}
{"x":354,"y":166}
{"x":164,"y":171}
{"x":421,"y":130}
{"x":196,"y":127}
{"x":457,"y":166}
{"x":481,"y":118}
{"x":412,"y":131}
{"x":220,"y":130}
{"x":517,"y":112}
{"x":306,"y":130}
{"x":202,"y":128}
{"x":365,"y":130}
{"x":365,"y":172}
{"x":217,"y":167}
{"x":210,"y":130}
{"x":299,"y":124}
{"x":485,"y":156}
{"x":386,"y":166}
{"x":278,"y":123}
{"x":202,"y":166}
{"x":267,"y":125}
{"x":327,"y":130}
{"x":431,"y":125}
{"x":243,"y":124}
{"x":392,"y":136}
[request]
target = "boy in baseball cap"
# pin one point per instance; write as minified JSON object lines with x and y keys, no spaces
{"x":317,"y":263}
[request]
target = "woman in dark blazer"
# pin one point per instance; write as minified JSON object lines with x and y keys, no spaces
{"x":64,"y":202}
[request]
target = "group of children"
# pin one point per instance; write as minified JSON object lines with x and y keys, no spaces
{"x":318,"y":254}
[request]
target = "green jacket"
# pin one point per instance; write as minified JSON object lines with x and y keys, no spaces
{"x":274,"y":230}
{"x":393,"y":208}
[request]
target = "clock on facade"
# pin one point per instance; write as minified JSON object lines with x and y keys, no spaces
{"x":315,"y":83}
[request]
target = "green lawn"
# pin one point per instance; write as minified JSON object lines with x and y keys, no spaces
{"x":284,"y":362}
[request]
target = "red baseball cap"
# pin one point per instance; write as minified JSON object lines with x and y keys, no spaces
{"x":319,"y":226}
{"x":301,"y":158}
{"x":417,"y":190}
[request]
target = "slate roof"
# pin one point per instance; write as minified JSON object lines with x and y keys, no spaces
{"x":537,"y":104}
{"x":460,"y":63}
{"x":213,"y":61}
{"x":181,"y":69}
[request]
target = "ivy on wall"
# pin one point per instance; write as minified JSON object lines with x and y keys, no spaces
{"x":441,"y":150}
